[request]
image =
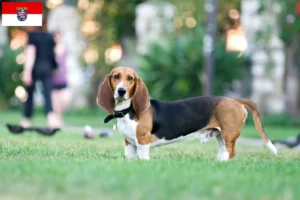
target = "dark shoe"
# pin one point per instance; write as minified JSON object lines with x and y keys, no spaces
{"x":15,"y":129}
{"x":47,"y":131}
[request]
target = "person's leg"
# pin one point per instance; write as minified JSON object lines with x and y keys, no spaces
{"x":28,"y":106}
{"x":65,"y":99}
{"x":51,"y":116}
{"x":56,"y":103}
{"x":60,"y":101}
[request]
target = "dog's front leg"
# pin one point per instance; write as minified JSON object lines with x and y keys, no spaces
{"x":143,"y":151}
{"x":130,"y":150}
{"x":143,"y":146}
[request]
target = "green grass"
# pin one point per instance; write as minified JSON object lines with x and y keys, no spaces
{"x":66,"y":166}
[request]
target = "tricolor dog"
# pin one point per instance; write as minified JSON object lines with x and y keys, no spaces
{"x":146,"y":123}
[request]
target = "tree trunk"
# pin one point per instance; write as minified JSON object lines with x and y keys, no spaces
{"x":291,"y":81}
{"x":297,"y":68}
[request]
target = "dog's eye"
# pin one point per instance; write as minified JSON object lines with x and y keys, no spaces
{"x":129,"y":78}
{"x":116,"y":76}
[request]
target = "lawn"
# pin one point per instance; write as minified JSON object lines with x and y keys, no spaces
{"x":66,"y":166}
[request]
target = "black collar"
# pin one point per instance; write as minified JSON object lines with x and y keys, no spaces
{"x":117,"y":114}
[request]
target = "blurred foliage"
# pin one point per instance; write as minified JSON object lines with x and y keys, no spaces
{"x":195,"y":8}
{"x":289,"y":20}
{"x":287,"y":13}
{"x":174,"y":69}
{"x":117,"y":19}
{"x":9,"y":74}
{"x":282,"y":120}
{"x":289,"y":23}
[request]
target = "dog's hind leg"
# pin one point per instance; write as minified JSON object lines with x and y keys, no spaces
{"x":231,"y":117}
{"x":226,"y":144}
{"x":223,"y":154}
{"x":230,"y":143}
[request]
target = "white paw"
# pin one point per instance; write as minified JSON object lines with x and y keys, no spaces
{"x":130,"y":152}
{"x":222,"y":156}
{"x":143,"y":151}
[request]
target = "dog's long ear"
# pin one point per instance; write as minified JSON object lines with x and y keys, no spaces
{"x":140,"y":100}
{"x":105,"y":96}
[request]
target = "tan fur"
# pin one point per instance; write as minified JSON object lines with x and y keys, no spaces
{"x":144,"y":127}
{"x":141,"y":99}
{"x":213,"y":123}
{"x":230,"y":115}
{"x":257,"y":118}
{"x":105,"y":97}
{"x":126,"y":142}
{"x":124,"y":73}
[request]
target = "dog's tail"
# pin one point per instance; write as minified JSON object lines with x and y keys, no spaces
{"x":258,"y":124}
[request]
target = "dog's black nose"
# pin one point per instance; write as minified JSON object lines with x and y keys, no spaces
{"x":121,"y":91}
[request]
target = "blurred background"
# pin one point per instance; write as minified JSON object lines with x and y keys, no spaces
{"x":237,"y":48}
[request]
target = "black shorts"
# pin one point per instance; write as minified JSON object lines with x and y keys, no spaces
{"x":59,"y":86}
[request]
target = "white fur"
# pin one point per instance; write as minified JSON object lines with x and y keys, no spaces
{"x":271,"y":147}
{"x":123,"y":104}
{"x":116,"y":94}
{"x":218,"y":128}
{"x":130,"y":151}
{"x":203,"y":136}
{"x":143,"y":151}
{"x":223,"y":154}
{"x":127,"y":128}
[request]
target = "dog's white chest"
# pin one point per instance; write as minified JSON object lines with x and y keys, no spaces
{"x":127,"y":128}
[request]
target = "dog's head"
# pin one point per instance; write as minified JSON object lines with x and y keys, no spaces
{"x":123,"y":84}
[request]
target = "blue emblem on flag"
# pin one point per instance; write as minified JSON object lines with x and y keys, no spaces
{"x":22,"y":14}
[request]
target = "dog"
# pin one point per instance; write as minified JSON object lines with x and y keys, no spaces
{"x":147,"y":123}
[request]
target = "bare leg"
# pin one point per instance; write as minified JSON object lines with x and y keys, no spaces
{"x":60,"y":100}
{"x":52,"y":120}
{"x":25,"y":122}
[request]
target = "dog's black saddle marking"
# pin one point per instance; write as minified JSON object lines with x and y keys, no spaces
{"x":180,"y":118}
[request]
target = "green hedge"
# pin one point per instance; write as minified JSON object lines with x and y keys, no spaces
{"x":9,"y":74}
{"x":282,"y":120}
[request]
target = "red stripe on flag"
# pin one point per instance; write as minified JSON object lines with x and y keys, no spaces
{"x":11,"y":7}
